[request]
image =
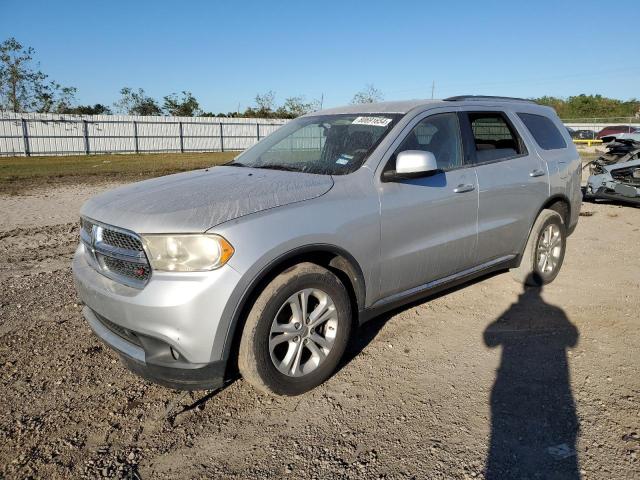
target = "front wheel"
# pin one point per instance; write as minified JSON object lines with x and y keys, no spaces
{"x":296,"y":332}
{"x":544,"y":253}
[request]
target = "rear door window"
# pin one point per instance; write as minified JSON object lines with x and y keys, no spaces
{"x":543,"y":131}
{"x":494,"y":137}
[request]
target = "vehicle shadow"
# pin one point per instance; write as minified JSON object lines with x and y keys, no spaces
{"x":534,"y":424}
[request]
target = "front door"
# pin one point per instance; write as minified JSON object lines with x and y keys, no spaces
{"x":428,"y":224}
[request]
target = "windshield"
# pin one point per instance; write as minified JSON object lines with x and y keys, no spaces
{"x":325,"y":144}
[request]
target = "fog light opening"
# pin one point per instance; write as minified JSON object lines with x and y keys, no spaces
{"x":174,"y":353}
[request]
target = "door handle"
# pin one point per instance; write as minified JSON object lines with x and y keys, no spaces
{"x":536,"y":173}
{"x":464,"y":188}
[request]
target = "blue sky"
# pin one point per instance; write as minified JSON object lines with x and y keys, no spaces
{"x":226,"y":52}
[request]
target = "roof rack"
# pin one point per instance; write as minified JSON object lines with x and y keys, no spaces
{"x":460,"y":98}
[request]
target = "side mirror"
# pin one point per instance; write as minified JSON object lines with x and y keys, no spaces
{"x":412,"y":164}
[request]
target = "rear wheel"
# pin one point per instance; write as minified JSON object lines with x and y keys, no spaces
{"x":544,"y":253}
{"x":296,"y":331}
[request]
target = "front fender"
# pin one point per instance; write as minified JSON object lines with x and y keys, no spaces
{"x":344,"y":221}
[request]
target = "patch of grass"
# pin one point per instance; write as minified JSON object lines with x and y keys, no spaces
{"x":18,"y":173}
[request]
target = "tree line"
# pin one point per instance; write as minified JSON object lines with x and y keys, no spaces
{"x":25,"y":88}
{"x":591,"y":106}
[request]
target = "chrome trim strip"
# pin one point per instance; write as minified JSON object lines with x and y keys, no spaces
{"x":97,"y":250}
{"x":120,"y":253}
{"x":442,"y":281}
{"x":111,"y":339}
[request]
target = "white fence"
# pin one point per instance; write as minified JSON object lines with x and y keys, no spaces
{"x":596,"y":127}
{"x":50,"y":134}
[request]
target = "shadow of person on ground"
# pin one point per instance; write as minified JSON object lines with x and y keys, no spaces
{"x":534,"y":425}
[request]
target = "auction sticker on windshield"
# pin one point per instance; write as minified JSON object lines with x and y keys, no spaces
{"x":373,"y":121}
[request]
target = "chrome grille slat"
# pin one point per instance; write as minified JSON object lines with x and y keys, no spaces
{"x":121,"y":240}
{"x":116,"y":253}
{"x":126,"y":269}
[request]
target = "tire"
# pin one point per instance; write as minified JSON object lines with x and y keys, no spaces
{"x":283,"y":353}
{"x":532,"y":270}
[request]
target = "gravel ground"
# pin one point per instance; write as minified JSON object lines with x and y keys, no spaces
{"x":486,"y":381}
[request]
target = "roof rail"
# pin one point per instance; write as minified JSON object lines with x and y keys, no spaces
{"x":460,"y":98}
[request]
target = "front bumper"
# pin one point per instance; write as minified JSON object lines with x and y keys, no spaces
{"x":172,"y":329}
{"x":206,"y":377}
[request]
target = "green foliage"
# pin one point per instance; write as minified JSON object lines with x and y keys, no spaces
{"x":24,"y":88}
{"x":137,"y":103}
{"x":265,"y":107}
{"x":296,"y":106}
{"x":591,"y":106}
{"x":184,"y":106}
{"x":369,"y":94}
{"x":97,"y":109}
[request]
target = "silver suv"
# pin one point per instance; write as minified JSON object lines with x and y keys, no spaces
{"x":268,"y":264}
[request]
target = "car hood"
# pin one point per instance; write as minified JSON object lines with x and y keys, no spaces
{"x":196,"y":201}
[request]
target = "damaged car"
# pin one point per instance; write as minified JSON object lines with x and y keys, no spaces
{"x":267,"y":265}
{"x":616,"y":174}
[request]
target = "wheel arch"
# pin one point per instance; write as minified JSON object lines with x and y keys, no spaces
{"x":332,"y":257}
{"x":558,"y":203}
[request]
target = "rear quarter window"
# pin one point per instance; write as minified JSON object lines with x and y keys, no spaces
{"x":544,"y":131}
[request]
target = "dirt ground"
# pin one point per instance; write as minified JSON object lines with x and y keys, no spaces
{"x":487,"y":381}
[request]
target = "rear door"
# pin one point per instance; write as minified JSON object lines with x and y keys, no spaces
{"x":513,"y":182}
{"x":428,"y":224}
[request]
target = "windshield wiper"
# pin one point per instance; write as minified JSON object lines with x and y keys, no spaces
{"x":275,"y":166}
{"x":234,"y":164}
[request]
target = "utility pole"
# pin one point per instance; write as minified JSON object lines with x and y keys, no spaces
{"x":321,"y":100}
{"x":433,"y":88}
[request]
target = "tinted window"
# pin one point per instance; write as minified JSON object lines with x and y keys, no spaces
{"x":494,"y":137}
{"x":544,"y":131}
{"x":440,"y":135}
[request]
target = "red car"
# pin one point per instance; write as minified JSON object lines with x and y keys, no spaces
{"x":614,"y":129}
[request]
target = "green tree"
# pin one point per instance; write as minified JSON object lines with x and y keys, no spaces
{"x":184,"y":106}
{"x":369,"y":94}
{"x":294,"y":107}
{"x":591,"y":106}
{"x":97,"y":109}
{"x":134,"y":102}
{"x":23,"y":87}
{"x":54,"y":98}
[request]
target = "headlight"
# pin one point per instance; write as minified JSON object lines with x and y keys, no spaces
{"x":187,"y":253}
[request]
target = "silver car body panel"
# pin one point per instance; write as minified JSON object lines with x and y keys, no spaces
{"x":195,"y":201}
{"x":401,"y":237}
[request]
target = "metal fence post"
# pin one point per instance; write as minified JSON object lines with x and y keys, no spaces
{"x":221,"y":139}
{"x":25,"y":138}
{"x":258,"y":131}
{"x":85,"y":134}
{"x":135,"y":136}
{"x":181,"y":137}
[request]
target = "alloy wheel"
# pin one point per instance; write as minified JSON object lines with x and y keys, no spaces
{"x":303,"y":332}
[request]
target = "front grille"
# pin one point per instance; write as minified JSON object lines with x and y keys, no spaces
{"x":127,"y":269}
{"x":87,"y":225}
{"x":122,"y":332}
{"x":116,"y":253}
{"x":121,"y":240}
